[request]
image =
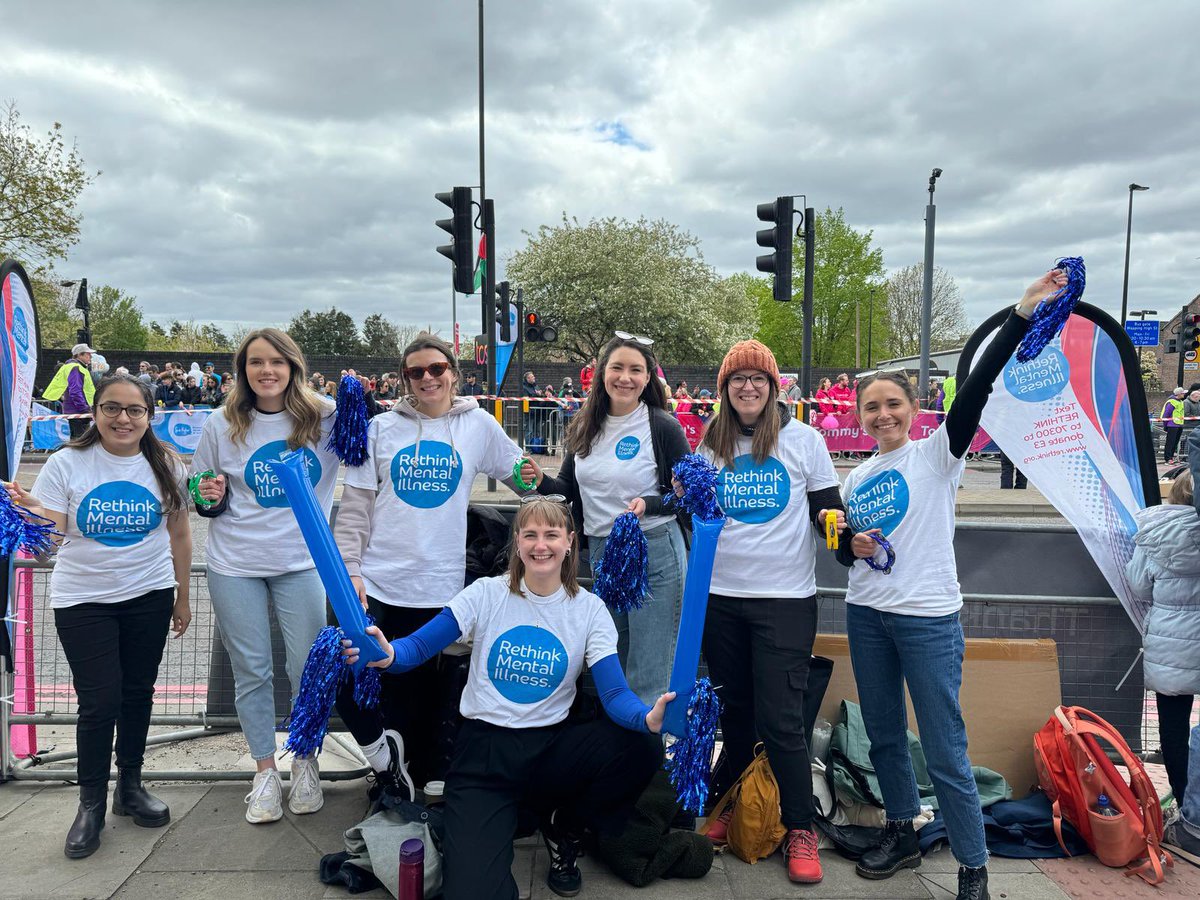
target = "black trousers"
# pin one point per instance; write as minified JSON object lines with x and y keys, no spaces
{"x":758,"y":651}
{"x":409,"y":703}
{"x":114,"y":650}
{"x":591,"y":772}
{"x":1172,"y":444}
{"x":1007,"y":473}
{"x":1174,"y":731}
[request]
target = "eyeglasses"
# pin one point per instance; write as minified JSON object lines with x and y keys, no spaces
{"x":416,"y":373}
{"x":640,"y":338}
{"x":758,"y":379}
{"x":112,"y":410}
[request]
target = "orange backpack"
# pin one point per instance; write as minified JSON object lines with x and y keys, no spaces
{"x":1074,"y":771}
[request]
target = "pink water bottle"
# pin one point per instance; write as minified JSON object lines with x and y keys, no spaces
{"x":412,"y":870}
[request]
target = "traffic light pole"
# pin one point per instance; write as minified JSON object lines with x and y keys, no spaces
{"x":810,"y":244}
{"x":1182,"y":344}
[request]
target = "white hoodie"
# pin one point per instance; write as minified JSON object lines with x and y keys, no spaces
{"x":402,"y":523}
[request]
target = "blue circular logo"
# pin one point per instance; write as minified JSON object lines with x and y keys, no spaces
{"x":20,"y":332}
{"x":526,"y":664}
{"x":879,"y":502}
{"x":118,"y":514}
{"x":429,"y":480}
{"x":752,"y":493}
{"x":1040,"y":378}
{"x":262,"y":481}
{"x":628,"y":447}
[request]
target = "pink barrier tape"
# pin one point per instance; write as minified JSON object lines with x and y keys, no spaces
{"x":23,"y":738}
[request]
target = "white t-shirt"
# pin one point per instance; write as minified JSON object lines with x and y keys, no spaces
{"x":116,"y":545}
{"x":767,"y":547}
{"x":909,"y":494}
{"x":620,"y":467}
{"x":529,"y":650}
{"x":416,"y":555}
{"x":257,"y":536}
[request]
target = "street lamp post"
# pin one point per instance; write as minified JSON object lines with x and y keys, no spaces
{"x":1128,"y":234}
{"x":927,"y":291}
{"x":870,"y":321}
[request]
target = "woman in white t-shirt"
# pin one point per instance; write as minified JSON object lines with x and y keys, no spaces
{"x":401,"y":529}
{"x":621,"y":447}
{"x":776,"y":482}
{"x":256,"y":559}
{"x":118,"y":497}
{"x":904,"y":625}
{"x":533,"y":630}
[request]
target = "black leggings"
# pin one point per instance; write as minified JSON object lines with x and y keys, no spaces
{"x":1174,"y":731}
{"x":408,"y":703}
{"x":114,"y":650}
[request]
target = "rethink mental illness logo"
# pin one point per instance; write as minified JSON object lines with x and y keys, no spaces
{"x":118,"y":514}
{"x":879,"y":502}
{"x":526,"y":664}
{"x":752,"y":493}
{"x":259,"y":477}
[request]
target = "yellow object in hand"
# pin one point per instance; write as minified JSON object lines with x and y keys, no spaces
{"x":831,"y":530}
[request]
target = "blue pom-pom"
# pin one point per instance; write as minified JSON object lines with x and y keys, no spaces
{"x":622,"y":575}
{"x":1050,"y":317}
{"x":367,"y":687}
{"x":323,"y":673}
{"x":699,"y":479}
{"x":19,"y":528}
{"x":348,"y":437}
{"x":689,"y":759}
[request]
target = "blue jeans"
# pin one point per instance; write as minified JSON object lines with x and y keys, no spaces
{"x":241,"y":607}
{"x":887,"y":650}
{"x":1191,"y":797}
{"x":646,"y":636}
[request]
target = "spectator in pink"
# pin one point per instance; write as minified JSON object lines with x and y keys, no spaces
{"x":586,"y":374}
{"x":842,"y":394}
{"x":825,"y":398}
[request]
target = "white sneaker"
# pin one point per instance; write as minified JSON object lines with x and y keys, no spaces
{"x":304,"y":795}
{"x":265,"y":800}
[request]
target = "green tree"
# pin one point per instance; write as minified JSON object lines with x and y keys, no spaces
{"x":40,"y":184}
{"x":645,"y":277}
{"x":329,"y":333}
{"x":58,"y":320}
{"x":116,"y":320}
{"x":216,"y":336}
{"x":380,"y":337}
{"x":949,"y":328}
{"x":845,"y":267}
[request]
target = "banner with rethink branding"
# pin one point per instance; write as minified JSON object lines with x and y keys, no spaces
{"x":1072,"y":421}
{"x":18,"y":360}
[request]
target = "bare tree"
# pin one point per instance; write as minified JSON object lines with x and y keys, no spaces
{"x":949,"y":327}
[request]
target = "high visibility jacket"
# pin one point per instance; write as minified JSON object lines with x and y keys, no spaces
{"x":1176,"y":411}
{"x":58,"y":386}
{"x":949,"y":389}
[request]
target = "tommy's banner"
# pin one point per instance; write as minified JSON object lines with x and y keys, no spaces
{"x":1074,"y":420}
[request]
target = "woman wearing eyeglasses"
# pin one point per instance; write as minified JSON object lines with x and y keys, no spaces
{"x":118,"y":496}
{"x":621,"y":447}
{"x":401,"y":529}
{"x":776,"y":482}
{"x":533,"y":630}
{"x":256,"y":561}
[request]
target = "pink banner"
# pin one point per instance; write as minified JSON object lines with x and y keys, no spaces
{"x":693,"y":428}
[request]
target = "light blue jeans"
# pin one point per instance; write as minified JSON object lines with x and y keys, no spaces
{"x":646,"y":636}
{"x":1191,"y":797}
{"x":242,"y":611}
{"x":888,"y":650}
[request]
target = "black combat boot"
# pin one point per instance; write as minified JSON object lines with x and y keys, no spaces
{"x":972,"y":883}
{"x":84,"y":837}
{"x":898,"y":850}
{"x":131,"y":799}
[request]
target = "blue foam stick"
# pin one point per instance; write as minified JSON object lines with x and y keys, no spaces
{"x":292,"y":471}
{"x":691,"y":621}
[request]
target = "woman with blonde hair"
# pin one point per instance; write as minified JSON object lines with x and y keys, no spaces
{"x":256,"y":560}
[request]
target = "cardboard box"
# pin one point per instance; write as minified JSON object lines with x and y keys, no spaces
{"x":1010,"y":688}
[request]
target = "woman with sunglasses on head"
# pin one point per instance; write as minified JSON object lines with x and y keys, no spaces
{"x":776,"y":481}
{"x":401,"y":529}
{"x":903,"y":623}
{"x":118,"y":497}
{"x":533,"y":630}
{"x":620,"y":449}
{"x":256,"y":561}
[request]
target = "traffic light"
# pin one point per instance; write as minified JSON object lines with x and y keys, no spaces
{"x":502,"y":317}
{"x":538,"y":331}
{"x":1191,"y":332}
{"x":779,"y":238}
{"x":459,"y":250}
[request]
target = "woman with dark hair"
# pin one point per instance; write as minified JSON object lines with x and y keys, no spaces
{"x":517,"y":747}
{"x":256,"y":561}
{"x":401,"y":529}
{"x":620,"y":449}
{"x":903,"y":624}
{"x":117,"y":495}
{"x":210,"y":393}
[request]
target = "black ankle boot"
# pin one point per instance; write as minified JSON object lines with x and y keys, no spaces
{"x":899,"y":850}
{"x":84,"y":837}
{"x":131,"y":799}
{"x":972,"y":883}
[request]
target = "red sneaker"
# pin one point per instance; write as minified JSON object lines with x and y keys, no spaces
{"x":800,"y":850}
{"x":718,"y":831}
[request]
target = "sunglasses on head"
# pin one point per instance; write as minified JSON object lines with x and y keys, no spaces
{"x":416,"y":373}
{"x":640,"y":338}
{"x":544,"y":498}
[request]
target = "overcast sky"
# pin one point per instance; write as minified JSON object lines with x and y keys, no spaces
{"x":262,"y":157}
